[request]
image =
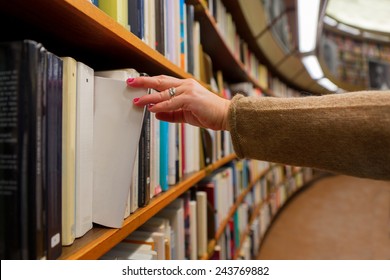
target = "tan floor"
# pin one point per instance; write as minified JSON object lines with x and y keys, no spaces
{"x":338,"y":217}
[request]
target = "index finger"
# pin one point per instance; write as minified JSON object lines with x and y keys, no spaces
{"x":159,"y":83}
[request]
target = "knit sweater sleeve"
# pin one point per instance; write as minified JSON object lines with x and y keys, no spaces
{"x":345,"y":133}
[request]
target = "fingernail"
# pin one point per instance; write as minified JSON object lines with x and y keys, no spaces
{"x":135,"y":100}
{"x":150,"y":106}
{"x":130,"y":80}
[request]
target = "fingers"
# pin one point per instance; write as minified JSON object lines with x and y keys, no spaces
{"x":158,"y":83}
{"x":158,"y":97}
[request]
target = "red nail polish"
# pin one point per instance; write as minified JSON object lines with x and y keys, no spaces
{"x":135,"y":100}
{"x":130,"y":80}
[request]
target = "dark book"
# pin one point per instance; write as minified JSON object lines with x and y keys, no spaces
{"x":136,"y":17}
{"x":36,"y":76}
{"x":144,"y":160}
{"x":190,"y":17}
{"x":187,"y":233}
{"x":21,"y":90}
{"x":160,"y":26}
{"x":207,"y":146}
{"x":53,"y":156}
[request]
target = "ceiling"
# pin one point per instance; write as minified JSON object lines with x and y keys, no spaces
{"x":366,"y":14}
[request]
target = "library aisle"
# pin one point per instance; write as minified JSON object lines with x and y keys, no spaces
{"x":337,"y":217}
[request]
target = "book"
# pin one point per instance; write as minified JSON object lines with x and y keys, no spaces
{"x":116,"y":9}
{"x":84,"y":148}
{"x":136,"y":18}
{"x":193,"y":230}
{"x":196,"y":48}
{"x":208,"y":187}
{"x":21,"y":88}
{"x":161,"y":225}
{"x":150,"y":23}
{"x":117,"y":122}
{"x":201,"y":215}
{"x":155,"y":239}
{"x":190,"y":18}
{"x":53,"y":156}
{"x":144,"y":165}
{"x":135,"y":194}
{"x":164,"y":155}
{"x":130,"y":251}
{"x":183,"y":35}
{"x":68,"y":150}
{"x":175,"y":213}
{"x":160,"y":40}
{"x":155,"y":186}
{"x":206,"y":146}
{"x":139,"y":194}
{"x":172,"y":153}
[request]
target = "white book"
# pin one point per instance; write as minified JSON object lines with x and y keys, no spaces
{"x":170,"y":31}
{"x":175,"y":214}
{"x":155,"y":155}
{"x":189,"y":140}
{"x":196,"y":149}
{"x":201,"y":213}
{"x":69,"y":150}
{"x":156,"y":239}
{"x":117,"y":128}
{"x":84,"y":148}
{"x":193,"y":231}
{"x":178,"y":205}
{"x":132,"y":200}
{"x":125,"y":255}
{"x":125,"y":251}
{"x":150,"y":23}
{"x":161,"y":225}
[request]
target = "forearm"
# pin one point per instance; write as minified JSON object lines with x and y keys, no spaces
{"x":344,"y":133}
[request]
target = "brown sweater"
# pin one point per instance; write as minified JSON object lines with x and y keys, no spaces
{"x":345,"y":133}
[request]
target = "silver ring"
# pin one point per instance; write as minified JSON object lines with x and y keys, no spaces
{"x":172,"y":92}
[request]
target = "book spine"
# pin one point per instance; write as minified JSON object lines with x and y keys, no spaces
{"x":164,"y":154}
{"x":190,"y":15}
{"x":69,"y":150}
{"x":144,"y":162}
{"x":160,"y":26}
{"x":35,"y":61}
{"x":12,"y":151}
{"x":136,"y":17}
{"x":54,"y":156}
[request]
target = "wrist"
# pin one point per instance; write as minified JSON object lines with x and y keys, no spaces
{"x":225,"y":121}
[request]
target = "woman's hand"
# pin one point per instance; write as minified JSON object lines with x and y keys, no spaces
{"x":182,"y":100}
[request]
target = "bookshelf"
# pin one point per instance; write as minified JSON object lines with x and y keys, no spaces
{"x":99,"y":240}
{"x":79,"y":29}
{"x":345,"y":57}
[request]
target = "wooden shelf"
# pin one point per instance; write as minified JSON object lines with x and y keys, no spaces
{"x":81,"y":30}
{"x":214,"y":45}
{"x":100,"y":240}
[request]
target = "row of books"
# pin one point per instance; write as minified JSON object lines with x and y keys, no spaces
{"x":186,"y":228}
{"x":348,"y":59}
{"x":170,"y":28}
{"x":30,"y":151}
{"x":75,"y":151}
